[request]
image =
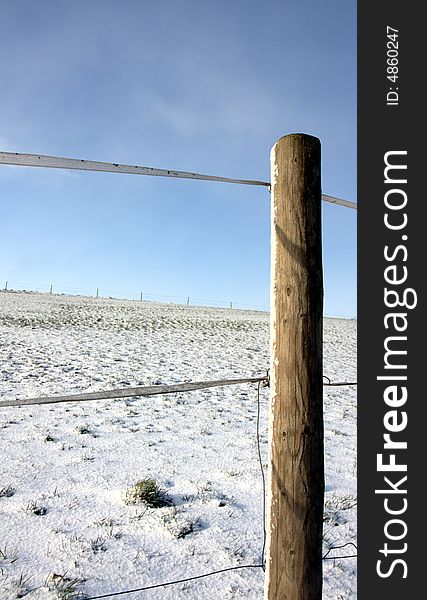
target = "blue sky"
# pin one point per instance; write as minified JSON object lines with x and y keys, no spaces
{"x":187,"y":85}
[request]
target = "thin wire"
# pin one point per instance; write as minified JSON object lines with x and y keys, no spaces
{"x":339,"y":557}
{"x":157,"y":585}
{"x":262,"y":476}
{"x":338,"y":383}
{"x":262,"y":565}
{"x":326,"y":557}
{"x":256,"y":566}
{"x":334,"y":383}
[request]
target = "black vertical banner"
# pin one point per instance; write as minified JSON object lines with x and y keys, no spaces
{"x":392,"y":257}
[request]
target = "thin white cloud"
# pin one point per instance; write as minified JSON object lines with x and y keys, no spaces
{"x":217,"y":101}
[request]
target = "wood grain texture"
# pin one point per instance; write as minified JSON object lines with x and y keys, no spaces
{"x":296,"y":485}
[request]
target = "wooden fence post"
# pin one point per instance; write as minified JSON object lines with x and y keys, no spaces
{"x":296,"y":469}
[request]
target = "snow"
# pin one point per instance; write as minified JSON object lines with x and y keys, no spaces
{"x":66,"y":531}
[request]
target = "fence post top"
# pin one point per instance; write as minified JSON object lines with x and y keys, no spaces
{"x":309,"y":138}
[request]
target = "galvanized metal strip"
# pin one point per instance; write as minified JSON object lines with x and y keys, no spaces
{"x":57,"y":162}
{"x":340,"y":201}
{"x":152,"y":390}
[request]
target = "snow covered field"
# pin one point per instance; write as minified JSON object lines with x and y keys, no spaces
{"x":66,"y":530}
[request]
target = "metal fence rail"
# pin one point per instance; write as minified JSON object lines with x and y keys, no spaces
{"x":58,"y":162}
{"x":150,"y":390}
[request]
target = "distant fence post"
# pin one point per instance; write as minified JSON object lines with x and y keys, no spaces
{"x":5,"y":287}
{"x":141,"y":297}
{"x":188,"y":300}
{"x":97,"y":292}
{"x":296,"y":487}
{"x":51,"y":288}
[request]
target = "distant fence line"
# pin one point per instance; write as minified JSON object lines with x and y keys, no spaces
{"x":12,"y":286}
